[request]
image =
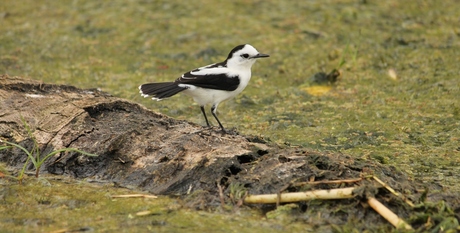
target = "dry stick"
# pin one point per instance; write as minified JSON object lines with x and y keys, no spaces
{"x":342,"y":193}
{"x":393,"y":191}
{"x":144,"y":213}
{"x":221,"y":195}
{"x":240,"y":201}
{"x":315,"y":183}
{"x":133,"y":195}
{"x":64,"y":230}
{"x":329,"y":182}
{"x":388,"y":214}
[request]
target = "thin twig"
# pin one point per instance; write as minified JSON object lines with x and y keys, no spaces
{"x":64,"y":230}
{"x":328,"y":182}
{"x":278,"y":194}
{"x":133,"y":195}
{"x":221,"y":195}
{"x":240,"y":201}
{"x":393,"y":191}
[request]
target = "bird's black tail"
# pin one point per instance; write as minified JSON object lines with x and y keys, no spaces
{"x":160,"y":90}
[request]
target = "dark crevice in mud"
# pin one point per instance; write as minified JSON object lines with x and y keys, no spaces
{"x":232,"y":170}
{"x":245,"y":158}
{"x":163,"y":159}
{"x":96,"y":110}
{"x":251,"y":157}
{"x":223,"y":181}
{"x":56,"y":168}
{"x":85,"y":133}
{"x":262,"y":152}
{"x":284,"y":159}
{"x":81,"y":166}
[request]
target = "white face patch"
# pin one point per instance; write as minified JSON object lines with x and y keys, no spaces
{"x":243,"y":57}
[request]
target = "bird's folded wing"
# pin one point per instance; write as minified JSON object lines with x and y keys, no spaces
{"x":216,"y":78}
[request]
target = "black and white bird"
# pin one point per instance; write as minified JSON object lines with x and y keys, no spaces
{"x":210,"y":84}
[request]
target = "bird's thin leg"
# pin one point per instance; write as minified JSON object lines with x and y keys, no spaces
{"x":205,"y":117}
{"x":214,"y":111}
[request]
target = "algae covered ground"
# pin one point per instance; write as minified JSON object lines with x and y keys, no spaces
{"x":62,"y":205}
{"x":396,"y":101}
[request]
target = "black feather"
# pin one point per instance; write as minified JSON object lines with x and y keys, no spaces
{"x":160,"y":90}
{"x":211,"y":81}
{"x":239,"y":47}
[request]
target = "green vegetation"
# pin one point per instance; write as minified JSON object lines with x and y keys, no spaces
{"x":34,"y":155}
{"x":396,"y":101}
{"x":64,"y":205}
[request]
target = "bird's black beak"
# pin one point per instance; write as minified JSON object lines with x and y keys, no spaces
{"x":261,"y":55}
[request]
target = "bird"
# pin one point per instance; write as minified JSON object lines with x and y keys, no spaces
{"x":211,"y":84}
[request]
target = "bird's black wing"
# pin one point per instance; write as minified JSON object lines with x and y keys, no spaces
{"x":212,"y":77}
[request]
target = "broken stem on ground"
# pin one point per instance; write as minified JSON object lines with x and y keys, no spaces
{"x":342,"y":193}
{"x":388,"y":214}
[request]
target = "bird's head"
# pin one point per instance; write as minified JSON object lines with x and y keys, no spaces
{"x":243,"y":56}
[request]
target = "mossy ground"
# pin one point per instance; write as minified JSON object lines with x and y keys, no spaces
{"x":60,"y":205}
{"x":396,"y":100}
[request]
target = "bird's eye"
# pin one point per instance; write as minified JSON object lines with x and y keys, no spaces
{"x":245,"y":55}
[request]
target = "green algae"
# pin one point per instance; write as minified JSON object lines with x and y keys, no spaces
{"x":410,"y":120}
{"x":56,"y":204}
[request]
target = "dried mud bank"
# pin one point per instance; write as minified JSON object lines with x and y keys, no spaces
{"x":140,"y":149}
